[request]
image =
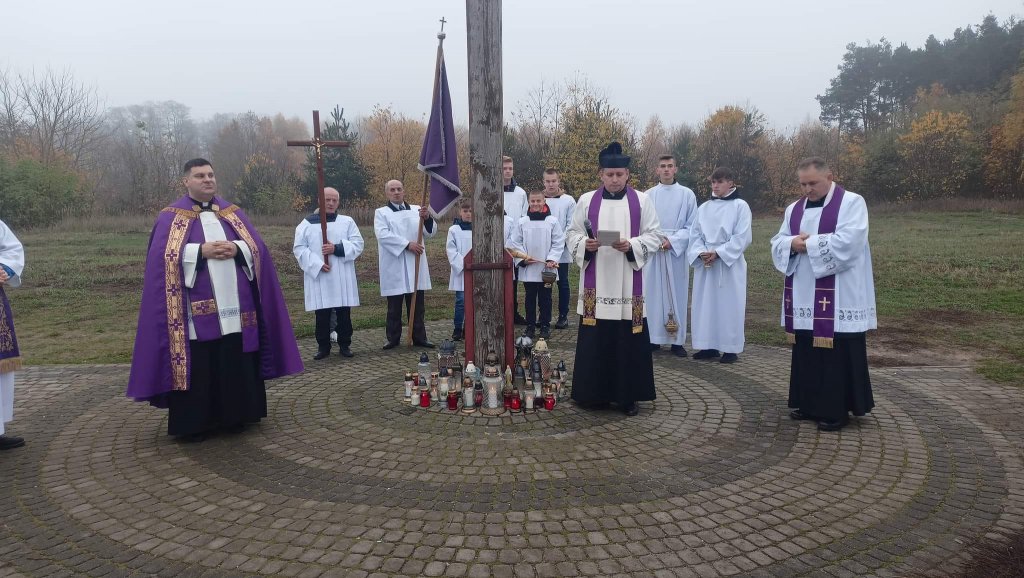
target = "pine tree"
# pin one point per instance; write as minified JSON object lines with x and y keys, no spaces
{"x":342,"y":168}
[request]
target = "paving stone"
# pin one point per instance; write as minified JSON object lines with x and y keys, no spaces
{"x":342,"y":478}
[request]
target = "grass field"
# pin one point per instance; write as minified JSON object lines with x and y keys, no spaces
{"x":950,"y":290}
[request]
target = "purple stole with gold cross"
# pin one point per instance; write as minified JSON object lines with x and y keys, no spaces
{"x":824,"y":287}
{"x":590,"y":275}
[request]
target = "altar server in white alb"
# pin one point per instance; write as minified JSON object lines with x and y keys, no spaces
{"x":719,"y":235}
{"x":562,"y":206}
{"x":667,"y":276}
{"x":539,"y":235}
{"x":515,"y":207}
{"x":329,"y":273}
{"x":396,"y":226}
{"x":459,"y":243}
{"x":12,"y":261}
{"x":828,"y":301}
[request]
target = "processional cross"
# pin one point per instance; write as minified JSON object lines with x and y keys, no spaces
{"x":317,"y":143}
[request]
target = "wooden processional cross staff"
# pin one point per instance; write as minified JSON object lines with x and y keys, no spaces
{"x":317,"y":143}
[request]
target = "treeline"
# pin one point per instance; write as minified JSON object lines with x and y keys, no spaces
{"x":942,"y":120}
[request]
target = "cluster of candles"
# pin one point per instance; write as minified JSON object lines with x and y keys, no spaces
{"x":534,"y":384}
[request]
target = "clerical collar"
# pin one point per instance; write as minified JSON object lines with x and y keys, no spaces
{"x":203,"y":206}
{"x":613,"y":196}
{"x":511,"y":186}
{"x":732,"y":196}
{"x":403,"y":207}
{"x":822,"y":201}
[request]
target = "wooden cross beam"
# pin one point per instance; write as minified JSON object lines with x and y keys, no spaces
{"x":317,"y":143}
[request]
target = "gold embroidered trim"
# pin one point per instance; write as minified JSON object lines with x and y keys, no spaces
{"x":175,"y":296}
{"x":10,"y":364}
{"x":590,"y":306}
{"x":182,"y":212}
{"x":6,"y":334}
{"x":239,"y":227}
{"x":825,"y":342}
{"x":204,"y":307}
{"x":248,"y":319}
{"x":638,"y":314}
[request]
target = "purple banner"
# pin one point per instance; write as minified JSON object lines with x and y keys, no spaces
{"x":438,"y":157}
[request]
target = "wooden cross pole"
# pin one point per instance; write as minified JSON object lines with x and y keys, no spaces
{"x":317,"y":143}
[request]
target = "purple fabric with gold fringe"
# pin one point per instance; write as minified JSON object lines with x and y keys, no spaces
{"x":590,"y":275}
{"x":161,"y":357}
{"x":824,"y":287}
{"x":10,"y":356}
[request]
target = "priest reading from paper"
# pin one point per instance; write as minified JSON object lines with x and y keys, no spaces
{"x":613,"y":346}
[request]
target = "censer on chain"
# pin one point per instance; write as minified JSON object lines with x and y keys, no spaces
{"x":671,"y":325}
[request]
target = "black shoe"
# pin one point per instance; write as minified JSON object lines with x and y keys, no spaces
{"x":390,"y":345}
{"x":458,"y":335}
{"x":706,"y":354}
{"x":729,"y":358}
{"x":423,"y":343}
{"x":679,"y":351}
{"x":321,"y":354}
{"x":11,"y":442}
{"x":832,"y":425}
{"x":562,"y":323}
{"x":631,"y":409}
{"x":520,"y":320}
{"x":530,"y":332}
{"x":545,"y":332}
{"x":655,"y":347}
{"x":346,"y":352}
{"x":799,"y":415}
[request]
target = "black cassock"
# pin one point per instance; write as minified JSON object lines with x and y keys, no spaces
{"x":613,"y":364}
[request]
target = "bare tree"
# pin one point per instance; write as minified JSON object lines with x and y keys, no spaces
{"x":63,"y":119}
{"x":12,"y":125}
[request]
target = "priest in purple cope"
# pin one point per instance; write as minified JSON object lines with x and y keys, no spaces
{"x":828,"y":300}
{"x":213,"y":324}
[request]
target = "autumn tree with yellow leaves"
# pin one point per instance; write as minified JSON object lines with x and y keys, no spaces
{"x":938,"y":154}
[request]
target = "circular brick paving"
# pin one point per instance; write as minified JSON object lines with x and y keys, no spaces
{"x":345,"y":479}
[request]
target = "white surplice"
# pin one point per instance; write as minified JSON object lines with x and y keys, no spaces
{"x":614,"y":270}
{"x":667,"y":277}
{"x":850,"y":253}
{"x":719,"y":300}
{"x":515,"y":203}
{"x":562,"y":208}
{"x":337,"y":287}
{"x":12,"y":254}
{"x":458,"y":244}
{"x":397,"y":266}
{"x":223,"y":276}
{"x":540,"y":239}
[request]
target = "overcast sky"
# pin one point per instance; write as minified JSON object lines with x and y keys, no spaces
{"x":678,"y":59}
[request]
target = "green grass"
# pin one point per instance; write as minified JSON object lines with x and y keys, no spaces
{"x":950,"y":288}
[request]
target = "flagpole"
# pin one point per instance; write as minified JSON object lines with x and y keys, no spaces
{"x":423,"y":203}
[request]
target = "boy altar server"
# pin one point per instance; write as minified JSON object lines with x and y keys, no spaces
{"x":718,"y":237}
{"x":540,"y":236}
